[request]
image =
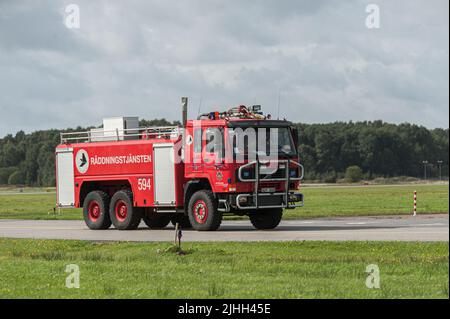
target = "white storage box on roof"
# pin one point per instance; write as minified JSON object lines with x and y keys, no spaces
{"x":117,"y":129}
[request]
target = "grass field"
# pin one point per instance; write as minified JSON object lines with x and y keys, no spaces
{"x":319,"y":202}
{"x":33,"y":206}
{"x":36,"y":269}
{"x":371,"y":200}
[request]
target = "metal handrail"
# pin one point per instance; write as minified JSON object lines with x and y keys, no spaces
{"x":99,"y":135}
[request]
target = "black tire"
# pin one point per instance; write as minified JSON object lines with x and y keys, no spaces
{"x":95,"y":210}
{"x":156,"y":221}
{"x":266,"y":218}
{"x":122,"y":213}
{"x":204,"y":201}
{"x":182,"y":220}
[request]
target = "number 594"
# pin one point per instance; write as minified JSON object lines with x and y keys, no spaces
{"x":143,"y":184}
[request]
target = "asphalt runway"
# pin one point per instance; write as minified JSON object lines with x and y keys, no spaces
{"x":397,"y":228}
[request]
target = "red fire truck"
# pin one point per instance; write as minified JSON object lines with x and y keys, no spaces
{"x":121,"y":173}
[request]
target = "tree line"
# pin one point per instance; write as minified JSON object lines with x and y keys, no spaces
{"x":29,"y":159}
{"x":327,"y":151}
{"x":380,"y":149}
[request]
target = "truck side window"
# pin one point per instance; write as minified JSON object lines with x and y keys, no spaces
{"x":215,"y":142}
{"x":198,"y":141}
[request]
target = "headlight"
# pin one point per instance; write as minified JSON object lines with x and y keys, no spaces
{"x":242,"y":199}
{"x":296,"y":197}
{"x":293,"y":172}
{"x":247,"y":173}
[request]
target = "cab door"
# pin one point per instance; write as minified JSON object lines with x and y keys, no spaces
{"x":196,"y":149}
{"x":204,"y":146}
{"x":213,"y":147}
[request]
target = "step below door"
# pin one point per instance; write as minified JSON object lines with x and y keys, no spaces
{"x":164,"y":174}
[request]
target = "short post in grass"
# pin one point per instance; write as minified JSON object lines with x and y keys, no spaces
{"x":176,"y":234}
{"x":177,"y":239}
{"x":179,"y":235}
{"x":52,"y":211}
{"x":415,"y":204}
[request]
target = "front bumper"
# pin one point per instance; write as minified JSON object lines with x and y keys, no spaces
{"x":269,"y":200}
{"x":285,"y":199}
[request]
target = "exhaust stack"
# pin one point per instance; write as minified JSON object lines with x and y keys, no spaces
{"x":184,"y":105}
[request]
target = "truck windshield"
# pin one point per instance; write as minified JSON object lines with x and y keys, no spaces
{"x":264,"y":141}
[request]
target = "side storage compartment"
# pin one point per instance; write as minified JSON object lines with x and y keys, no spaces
{"x":164,"y":174}
{"x":65,"y":182}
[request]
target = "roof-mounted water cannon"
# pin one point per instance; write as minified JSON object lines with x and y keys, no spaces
{"x":240,"y":112}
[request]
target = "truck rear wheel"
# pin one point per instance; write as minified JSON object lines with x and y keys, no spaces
{"x":156,"y":221}
{"x":182,"y":220}
{"x":122,"y":213}
{"x":202,"y":211}
{"x":95,"y":210}
{"x":266,"y":218}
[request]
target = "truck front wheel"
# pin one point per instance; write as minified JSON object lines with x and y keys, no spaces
{"x":122,"y":213}
{"x":95,"y":210}
{"x":266,"y":218}
{"x":202,"y":211}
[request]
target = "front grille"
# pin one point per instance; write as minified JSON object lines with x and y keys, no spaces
{"x":280,"y":173}
{"x":269,"y":185}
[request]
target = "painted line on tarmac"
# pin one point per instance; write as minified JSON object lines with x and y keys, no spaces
{"x":40,"y":228}
{"x":30,"y":193}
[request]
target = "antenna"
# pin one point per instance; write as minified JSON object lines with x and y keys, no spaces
{"x":199,"y":106}
{"x":278,"y":104}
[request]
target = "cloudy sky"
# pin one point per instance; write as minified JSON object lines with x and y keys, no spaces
{"x":139,"y":58}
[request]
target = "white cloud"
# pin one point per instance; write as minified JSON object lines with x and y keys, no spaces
{"x":139,"y":58}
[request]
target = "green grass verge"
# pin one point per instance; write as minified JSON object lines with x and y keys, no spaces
{"x":33,"y":206}
{"x":319,"y":202}
{"x":371,"y":200}
{"x":36,"y":269}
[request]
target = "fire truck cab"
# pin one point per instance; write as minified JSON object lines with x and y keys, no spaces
{"x":235,"y":162}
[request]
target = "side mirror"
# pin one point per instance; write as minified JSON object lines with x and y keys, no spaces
{"x":295,"y":136}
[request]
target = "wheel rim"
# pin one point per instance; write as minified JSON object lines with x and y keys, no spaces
{"x":94,"y":210}
{"x":121,"y":210}
{"x":200,"y":211}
